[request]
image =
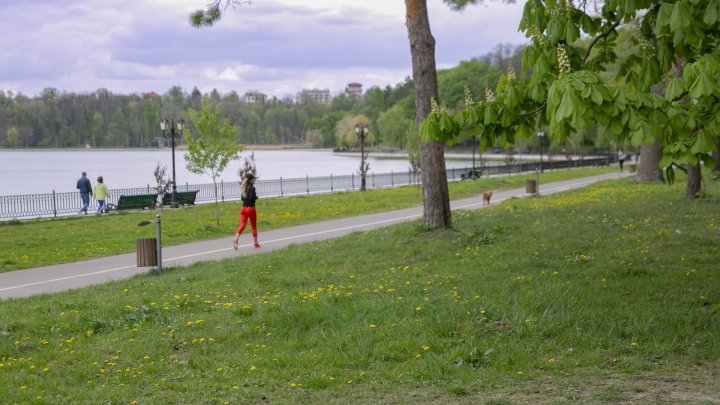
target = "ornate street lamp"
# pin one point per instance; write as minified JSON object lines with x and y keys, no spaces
{"x":168,"y":130}
{"x":541,"y":137}
{"x":362,"y":131}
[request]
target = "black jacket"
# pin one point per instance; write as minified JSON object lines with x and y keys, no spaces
{"x":249,"y":200}
{"x":83,"y":184}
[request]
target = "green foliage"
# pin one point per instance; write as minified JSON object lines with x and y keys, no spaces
{"x":674,"y":49}
{"x":214,"y":149}
{"x":395,"y":126}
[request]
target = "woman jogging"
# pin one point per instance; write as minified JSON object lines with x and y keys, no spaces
{"x":249,"y":196}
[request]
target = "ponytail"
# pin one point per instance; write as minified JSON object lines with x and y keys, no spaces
{"x":244,"y":188}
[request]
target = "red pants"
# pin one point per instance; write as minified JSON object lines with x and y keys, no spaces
{"x":245,"y":213}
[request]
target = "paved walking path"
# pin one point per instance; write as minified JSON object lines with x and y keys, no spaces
{"x":23,"y":283}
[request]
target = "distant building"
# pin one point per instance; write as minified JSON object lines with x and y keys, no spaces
{"x":255,"y":97}
{"x":354,"y":89}
{"x":317,"y":95}
{"x":152,"y":94}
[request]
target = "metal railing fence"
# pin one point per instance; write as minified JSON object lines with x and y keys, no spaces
{"x":66,"y":203}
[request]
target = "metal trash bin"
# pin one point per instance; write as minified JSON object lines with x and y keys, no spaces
{"x":530,"y":186}
{"x":146,"y":252}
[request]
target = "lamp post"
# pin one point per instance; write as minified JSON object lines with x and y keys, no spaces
{"x":362,"y":131}
{"x":541,"y":137}
{"x":168,"y":130}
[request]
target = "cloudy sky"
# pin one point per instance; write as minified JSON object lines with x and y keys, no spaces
{"x":275,"y":46}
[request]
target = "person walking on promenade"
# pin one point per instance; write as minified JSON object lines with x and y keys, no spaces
{"x":621,"y":159}
{"x":100,"y":191}
{"x":249,"y":196}
{"x":83,"y":184}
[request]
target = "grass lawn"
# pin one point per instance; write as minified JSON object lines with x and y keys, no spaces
{"x":609,"y":294}
{"x":43,"y":242}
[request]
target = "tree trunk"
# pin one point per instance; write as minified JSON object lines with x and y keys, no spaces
{"x":694,"y":181}
{"x":436,"y":199}
{"x":649,"y":167}
{"x":716,"y":156}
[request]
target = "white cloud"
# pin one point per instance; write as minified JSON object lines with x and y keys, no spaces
{"x":274,"y":46}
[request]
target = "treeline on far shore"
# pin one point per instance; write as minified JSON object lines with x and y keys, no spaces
{"x":102,"y":119}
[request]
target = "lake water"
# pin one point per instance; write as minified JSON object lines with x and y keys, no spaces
{"x":42,"y":171}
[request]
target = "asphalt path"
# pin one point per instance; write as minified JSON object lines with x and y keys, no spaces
{"x":50,"y":279}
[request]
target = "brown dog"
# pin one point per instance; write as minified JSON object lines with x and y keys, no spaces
{"x":486,"y":197}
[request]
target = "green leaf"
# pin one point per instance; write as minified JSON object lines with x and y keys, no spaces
{"x":711,"y":13}
{"x":596,"y":96}
{"x":541,"y":67}
{"x":572,"y":33}
{"x":703,"y":143}
{"x":471,"y":116}
{"x":490,"y":115}
{"x":565,"y":109}
{"x":702,"y":86}
{"x":674,"y":89}
{"x":681,"y":17}
{"x":663,"y":17}
{"x":428,"y":130}
{"x":588,"y":24}
{"x":555,"y":30}
{"x":670,"y":174}
{"x":666,"y":161}
{"x":636,"y":138}
{"x":708,"y":161}
{"x":523,"y":131}
{"x":651,"y":73}
{"x":630,"y":7}
{"x":554,"y":95}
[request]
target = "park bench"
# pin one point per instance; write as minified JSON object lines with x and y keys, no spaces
{"x":135,"y":202}
{"x":471,"y":174}
{"x":183,"y":198}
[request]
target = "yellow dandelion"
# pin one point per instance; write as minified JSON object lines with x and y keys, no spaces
{"x":372,"y":326}
{"x":551,"y":360}
{"x":418,"y":309}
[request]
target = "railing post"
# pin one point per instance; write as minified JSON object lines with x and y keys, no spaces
{"x":352,"y":180}
{"x":281,"y":188}
{"x":222,"y":190}
{"x":373,"y":180}
{"x":54,"y":205}
{"x":307,"y":183}
{"x":392,"y":181}
{"x":331,"y":183}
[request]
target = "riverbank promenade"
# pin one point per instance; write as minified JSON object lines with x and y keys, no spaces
{"x":50,"y":279}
